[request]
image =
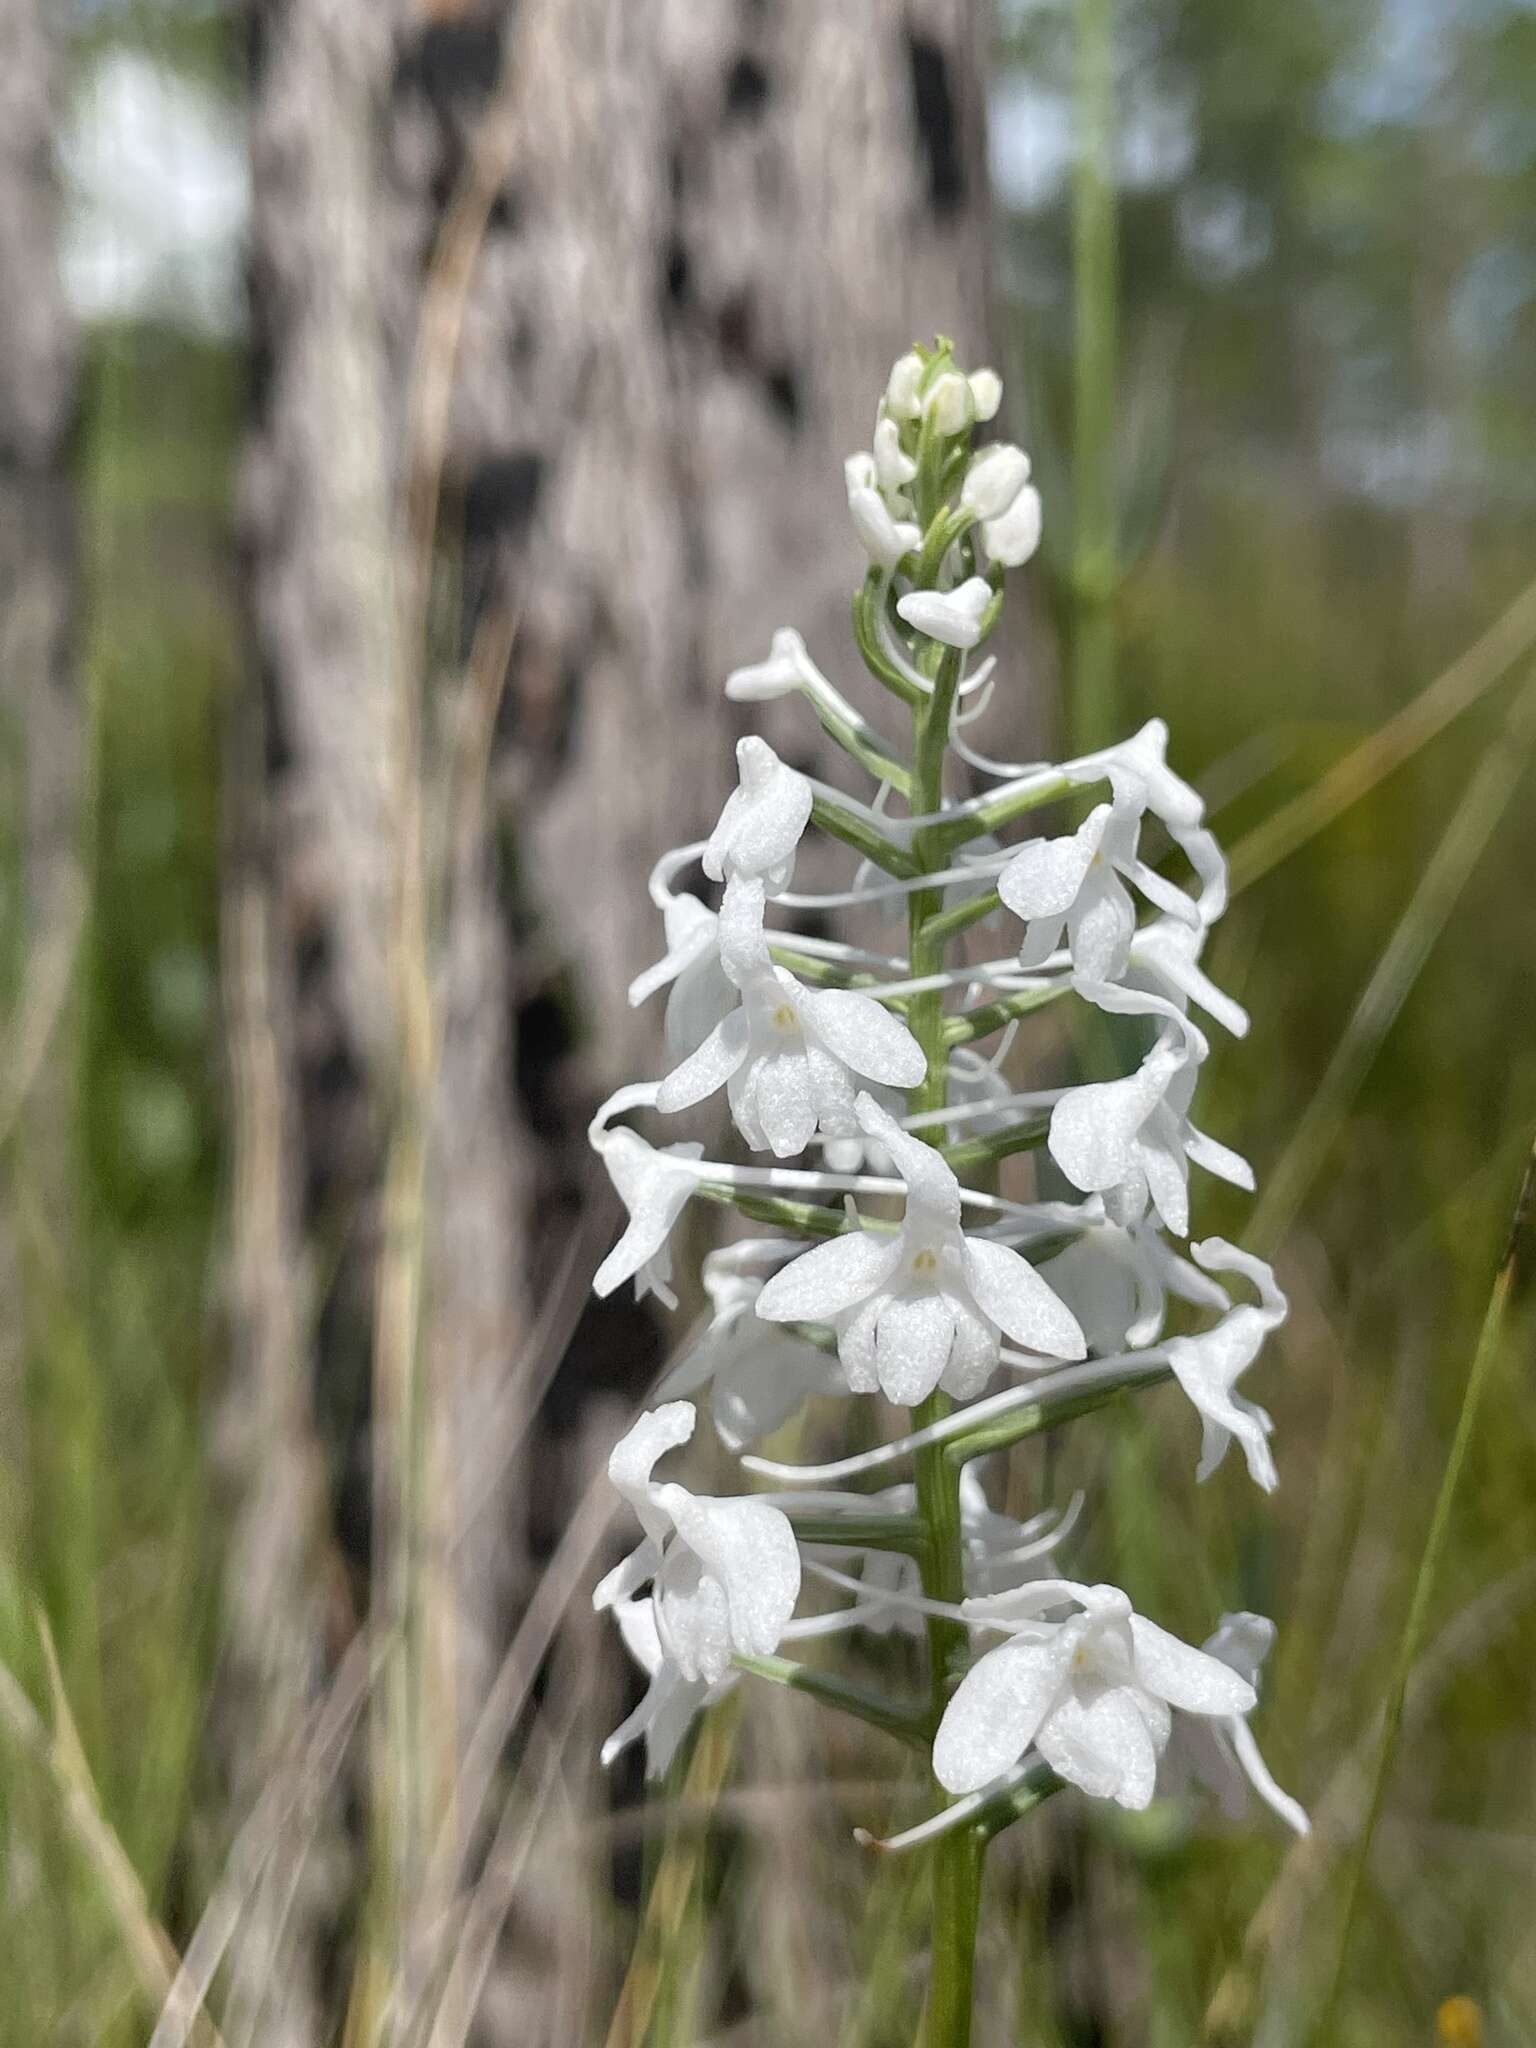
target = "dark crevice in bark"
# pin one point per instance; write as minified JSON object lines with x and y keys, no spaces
{"x":933,"y":107}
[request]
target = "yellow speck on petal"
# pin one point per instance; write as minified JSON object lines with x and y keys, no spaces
{"x":924,"y":1262}
{"x":1459,"y":2023}
{"x":784,"y":1017}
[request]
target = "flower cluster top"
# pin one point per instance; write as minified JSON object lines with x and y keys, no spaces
{"x":868,"y":1085}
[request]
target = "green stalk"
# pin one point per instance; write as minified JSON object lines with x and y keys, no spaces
{"x":981,"y":1023}
{"x":957,"y":1856}
{"x":857,"y":832}
{"x":1095,"y":565}
{"x":907,"y":1724}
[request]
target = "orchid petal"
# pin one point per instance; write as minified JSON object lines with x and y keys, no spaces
{"x":998,"y":1708}
{"x":1044,"y":877}
{"x":1185,"y":1677}
{"x":865,"y":1036}
{"x":716,"y":1060}
{"x":1009,"y":1290}
{"x":829,"y":1278}
{"x":912,"y":1345}
{"x":750,"y":1549}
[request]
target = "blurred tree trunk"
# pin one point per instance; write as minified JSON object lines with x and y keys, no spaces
{"x":566,"y":313}
{"x":42,"y":743}
{"x":714,"y":226}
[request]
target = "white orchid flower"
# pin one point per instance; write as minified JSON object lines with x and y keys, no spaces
{"x":1117,"y":1278}
{"x":1012,"y":538}
{"x":1092,"y":1694}
{"x":1209,"y":1365}
{"x":725,"y":1573}
{"x":894,"y":468}
{"x":1140,"y":778}
{"x":884,"y":535}
{"x":986,"y":393}
{"x":1131,"y":1140}
{"x":758,"y":1374}
{"x":951,"y":616}
{"x":654,"y":1187}
{"x":924,"y":1306}
{"x":700,"y":994}
{"x":1074,"y":883}
{"x":671,"y":1702}
{"x":1007,"y":507}
{"x":786,"y":1055}
{"x":949,"y":404}
{"x":1165,"y":958}
{"x":993,"y":479}
{"x":761,"y":825}
{"x":784,"y":671}
{"x":901,"y":391}
{"x":1220,"y":1753}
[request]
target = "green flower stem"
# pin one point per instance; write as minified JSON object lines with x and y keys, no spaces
{"x":990,"y":1017}
{"x":1008,"y":1807}
{"x":864,"y":744}
{"x":940,"y":538}
{"x":857,"y":832}
{"x":866,"y":633}
{"x":822,"y":973}
{"x":907,"y":1724}
{"x":865,"y":1532}
{"x":1046,"y":1414}
{"x":808,"y":1219}
{"x":998,"y":811}
{"x":950,"y":923}
{"x":976,"y":1153}
{"x":957,"y":1856}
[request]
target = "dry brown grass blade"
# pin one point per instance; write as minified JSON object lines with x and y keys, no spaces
{"x":149,"y":1948}
{"x":1455,"y":690}
{"x":674,"y":1881}
{"x":290,"y":1796}
{"x":509,"y":1692}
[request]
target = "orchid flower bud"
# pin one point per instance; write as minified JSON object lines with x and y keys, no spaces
{"x":994,"y":479}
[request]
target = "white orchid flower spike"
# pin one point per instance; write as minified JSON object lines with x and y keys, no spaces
{"x":762,"y":822}
{"x":787,"y":1054}
{"x":1219,"y":1753}
{"x":895,"y":1062}
{"x":1092,"y":1694}
{"x":725,"y":1573}
{"x":926,"y":1306}
{"x":1209,"y":1365}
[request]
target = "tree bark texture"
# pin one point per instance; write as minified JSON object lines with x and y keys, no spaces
{"x":565,"y":314}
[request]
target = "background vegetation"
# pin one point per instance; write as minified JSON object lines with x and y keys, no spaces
{"x":1285,"y":438}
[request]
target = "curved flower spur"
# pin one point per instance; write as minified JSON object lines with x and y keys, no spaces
{"x":871,"y":1078}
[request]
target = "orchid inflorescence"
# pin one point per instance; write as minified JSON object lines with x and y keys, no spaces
{"x":864,"y":1074}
